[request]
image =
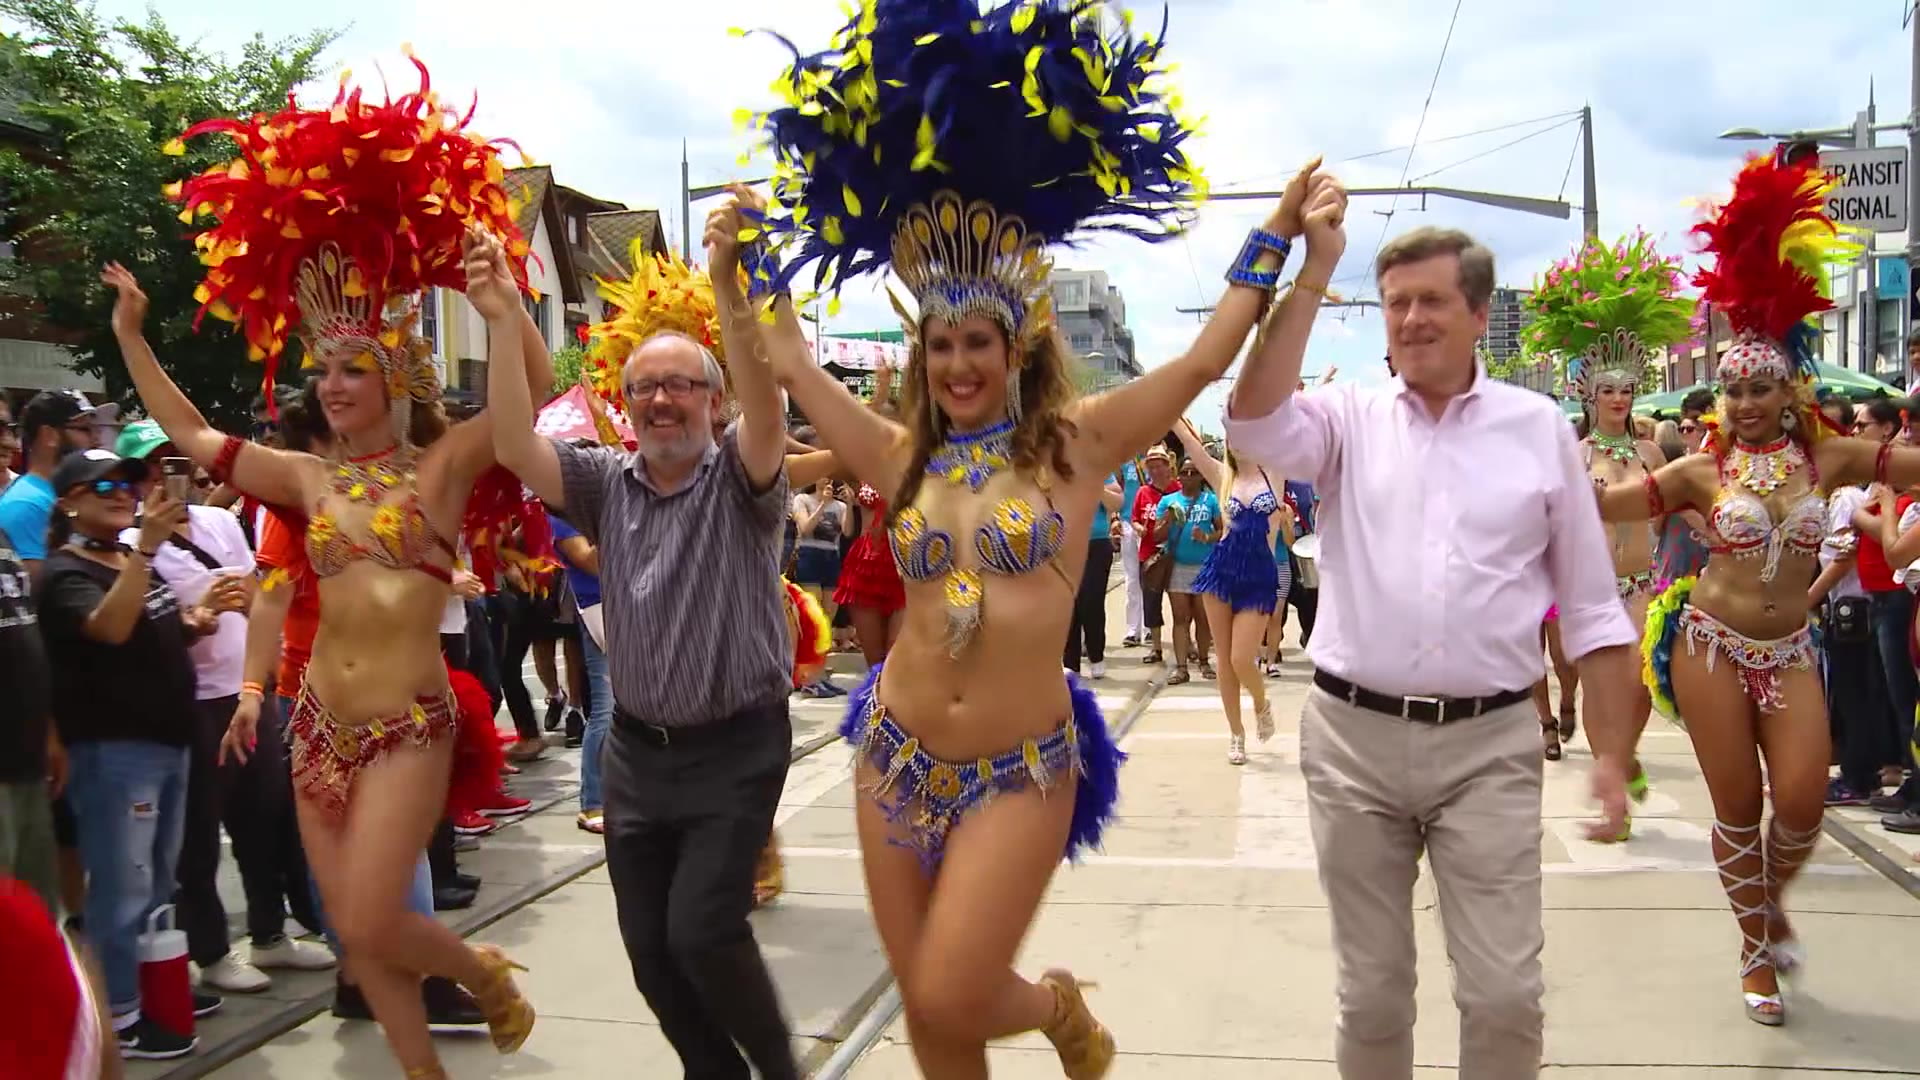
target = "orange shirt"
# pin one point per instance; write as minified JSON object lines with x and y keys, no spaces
{"x":282,"y":547}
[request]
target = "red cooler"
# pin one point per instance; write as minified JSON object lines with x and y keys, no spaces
{"x":166,"y":988}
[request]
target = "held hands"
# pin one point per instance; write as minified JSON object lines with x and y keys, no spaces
{"x":1324,"y":221}
{"x":490,"y":285}
{"x":1286,"y":217}
{"x":159,"y":516}
{"x":241,"y":736}
{"x":129,"y":302}
{"x":722,"y":236}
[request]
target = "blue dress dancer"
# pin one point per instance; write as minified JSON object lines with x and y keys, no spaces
{"x":1239,"y":587}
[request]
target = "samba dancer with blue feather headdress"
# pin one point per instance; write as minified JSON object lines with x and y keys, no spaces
{"x":952,"y":146}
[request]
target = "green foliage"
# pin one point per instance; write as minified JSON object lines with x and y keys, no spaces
{"x":110,"y":95}
{"x":568,"y":362}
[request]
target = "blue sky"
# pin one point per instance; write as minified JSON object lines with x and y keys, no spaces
{"x":605,"y":90}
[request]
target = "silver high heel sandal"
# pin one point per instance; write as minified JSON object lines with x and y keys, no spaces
{"x":1767,"y":1009}
{"x":1789,"y":955}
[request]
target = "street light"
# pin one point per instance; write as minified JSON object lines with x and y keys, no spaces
{"x":1846,"y":136}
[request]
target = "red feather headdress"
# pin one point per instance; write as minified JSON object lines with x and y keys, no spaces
{"x":333,"y":220}
{"x":1771,"y":242}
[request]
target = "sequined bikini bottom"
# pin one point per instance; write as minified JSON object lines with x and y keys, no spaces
{"x":1636,"y":585}
{"x":327,"y":753}
{"x":1760,"y":662}
{"x":925,"y":797}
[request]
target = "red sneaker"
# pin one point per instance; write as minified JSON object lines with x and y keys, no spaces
{"x":472,"y":823}
{"x":504,"y":805}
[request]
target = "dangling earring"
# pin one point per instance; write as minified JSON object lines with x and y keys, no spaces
{"x":934,"y":419}
{"x":1788,"y":421}
{"x":1013,"y":394}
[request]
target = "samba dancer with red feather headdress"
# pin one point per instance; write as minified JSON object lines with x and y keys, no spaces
{"x":1730,"y":653}
{"x":330,"y":223}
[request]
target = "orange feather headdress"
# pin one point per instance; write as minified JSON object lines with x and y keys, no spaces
{"x":332,"y":221}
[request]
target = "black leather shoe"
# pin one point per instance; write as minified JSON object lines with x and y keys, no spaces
{"x":453,"y":898}
{"x":448,"y":1005}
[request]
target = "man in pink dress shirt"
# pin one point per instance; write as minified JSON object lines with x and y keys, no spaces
{"x":1453,"y":511}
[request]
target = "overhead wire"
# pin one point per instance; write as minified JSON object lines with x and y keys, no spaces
{"x":1494,"y":150}
{"x":1572,"y":156}
{"x":1407,"y":167}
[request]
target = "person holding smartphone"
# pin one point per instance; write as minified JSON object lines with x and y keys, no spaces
{"x":253,"y":799}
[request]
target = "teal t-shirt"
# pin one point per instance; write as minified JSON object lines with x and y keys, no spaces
{"x":1202,"y":511}
{"x":1102,"y":522}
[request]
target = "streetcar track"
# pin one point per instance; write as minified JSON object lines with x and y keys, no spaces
{"x":874,"y":1009}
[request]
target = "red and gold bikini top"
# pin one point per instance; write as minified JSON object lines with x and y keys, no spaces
{"x":398,"y":534}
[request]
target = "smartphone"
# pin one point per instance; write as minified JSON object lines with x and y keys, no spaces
{"x":177,"y":474}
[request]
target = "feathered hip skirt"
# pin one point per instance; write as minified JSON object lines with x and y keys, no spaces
{"x":925,"y":798}
{"x":1671,"y":619}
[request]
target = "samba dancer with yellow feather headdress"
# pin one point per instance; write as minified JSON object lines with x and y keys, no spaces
{"x":329,"y":223}
{"x":951,"y":146}
{"x":1731,"y":653}
{"x":1610,"y":310}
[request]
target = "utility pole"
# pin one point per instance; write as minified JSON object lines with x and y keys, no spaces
{"x":1868,"y":302}
{"x":1590,"y":198}
{"x":686,"y":207}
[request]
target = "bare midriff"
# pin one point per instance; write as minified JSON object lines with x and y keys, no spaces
{"x":378,"y":647}
{"x":1007,"y":684}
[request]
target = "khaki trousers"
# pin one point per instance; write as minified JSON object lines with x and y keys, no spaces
{"x":1379,"y":790}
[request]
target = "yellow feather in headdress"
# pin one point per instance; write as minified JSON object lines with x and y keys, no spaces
{"x":664,"y":294}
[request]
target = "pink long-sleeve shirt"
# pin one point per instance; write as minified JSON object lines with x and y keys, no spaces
{"x":1443,"y":543}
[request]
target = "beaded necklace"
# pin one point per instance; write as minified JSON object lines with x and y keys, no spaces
{"x":1762,"y":469}
{"x":974,"y":457}
{"x":369,"y":477}
{"x":1620,"y":448}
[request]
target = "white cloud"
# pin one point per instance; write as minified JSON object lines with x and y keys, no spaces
{"x":606,"y":90}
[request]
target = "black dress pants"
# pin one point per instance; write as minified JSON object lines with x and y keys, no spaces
{"x":687,"y":814}
{"x":1088,"y":630}
{"x":255,"y":803}
{"x":1857,"y":710}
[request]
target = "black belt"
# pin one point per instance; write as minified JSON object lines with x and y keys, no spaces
{"x":1425,"y":710}
{"x":690,"y":735}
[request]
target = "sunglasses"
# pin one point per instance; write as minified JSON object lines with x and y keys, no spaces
{"x":104,"y":488}
{"x":1688,"y":429}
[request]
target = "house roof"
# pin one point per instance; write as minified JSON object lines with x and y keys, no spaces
{"x":610,"y":239}
{"x":13,"y":116}
{"x":533,"y":189}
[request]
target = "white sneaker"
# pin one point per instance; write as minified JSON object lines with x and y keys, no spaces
{"x":1099,"y":669}
{"x":232,"y":974}
{"x":294,"y":955}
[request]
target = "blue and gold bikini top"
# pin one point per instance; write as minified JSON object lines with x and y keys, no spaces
{"x":1017,"y":538}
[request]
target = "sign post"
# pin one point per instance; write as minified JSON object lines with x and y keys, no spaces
{"x":1873,"y":192}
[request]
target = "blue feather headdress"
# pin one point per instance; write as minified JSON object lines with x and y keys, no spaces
{"x":953,"y":145}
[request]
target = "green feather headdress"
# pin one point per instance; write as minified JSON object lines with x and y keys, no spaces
{"x":1609,"y":311}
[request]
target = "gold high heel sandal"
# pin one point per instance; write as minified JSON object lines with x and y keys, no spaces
{"x":510,"y":1015}
{"x":1085,"y":1046}
{"x":427,"y":1072}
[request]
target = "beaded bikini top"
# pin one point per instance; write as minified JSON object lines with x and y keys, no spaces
{"x":397,"y":534}
{"x":1740,"y":523}
{"x":1017,"y":538}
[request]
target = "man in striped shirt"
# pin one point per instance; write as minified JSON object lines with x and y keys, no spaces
{"x":688,"y":531}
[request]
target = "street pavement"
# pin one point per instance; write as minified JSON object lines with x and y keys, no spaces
{"x":1202,"y":921}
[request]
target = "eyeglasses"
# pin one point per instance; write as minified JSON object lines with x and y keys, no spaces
{"x":677,"y":386}
{"x":1688,"y":429}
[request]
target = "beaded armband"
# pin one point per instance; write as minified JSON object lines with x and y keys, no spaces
{"x":222,"y":469}
{"x":1880,"y":462}
{"x":1655,"y":501}
{"x":1245,"y":269}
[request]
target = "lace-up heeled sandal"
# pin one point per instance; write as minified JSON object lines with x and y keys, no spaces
{"x":509,"y":1014}
{"x":1085,"y":1046}
{"x":1766,"y":1009}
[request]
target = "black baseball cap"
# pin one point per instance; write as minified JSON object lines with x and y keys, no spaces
{"x":86,"y":466}
{"x":52,"y":408}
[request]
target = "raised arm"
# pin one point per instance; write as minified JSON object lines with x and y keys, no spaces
{"x":491,"y":289}
{"x":1272,"y":371}
{"x":808,"y":469}
{"x":1115,"y":424}
{"x":1851,"y":460}
{"x":882,"y":387}
{"x":1196,"y":447}
{"x":763,"y":429}
{"x":273,"y":476}
{"x":863,"y":440}
{"x":470,"y":442}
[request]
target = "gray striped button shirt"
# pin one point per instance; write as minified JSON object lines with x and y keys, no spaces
{"x":695,"y":624}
